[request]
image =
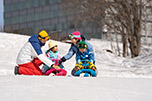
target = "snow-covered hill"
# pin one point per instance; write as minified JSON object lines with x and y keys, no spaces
{"x":119,"y":79}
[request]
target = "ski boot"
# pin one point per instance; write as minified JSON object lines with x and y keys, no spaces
{"x":16,"y":70}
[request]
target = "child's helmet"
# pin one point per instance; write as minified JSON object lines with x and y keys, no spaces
{"x":76,"y":35}
{"x":52,"y":44}
{"x":82,"y":44}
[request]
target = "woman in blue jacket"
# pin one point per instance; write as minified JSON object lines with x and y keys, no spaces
{"x":76,"y":37}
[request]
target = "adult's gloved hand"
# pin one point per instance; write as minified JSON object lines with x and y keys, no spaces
{"x":62,"y":60}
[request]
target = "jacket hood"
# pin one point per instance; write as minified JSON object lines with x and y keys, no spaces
{"x":34,"y":39}
{"x":83,"y":38}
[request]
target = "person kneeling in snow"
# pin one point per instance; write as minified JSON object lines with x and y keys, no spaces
{"x":52,"y":54}
{"x":31,"y":57}
{"x":82,"y":56}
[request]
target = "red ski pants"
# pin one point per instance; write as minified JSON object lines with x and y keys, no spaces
{"x":31,"y":68}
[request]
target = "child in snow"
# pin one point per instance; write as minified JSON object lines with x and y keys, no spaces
{"x":52,"y":54}
{"x":84,"y":54}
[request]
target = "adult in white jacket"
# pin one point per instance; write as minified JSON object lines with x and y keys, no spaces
{"x":31,"y":57}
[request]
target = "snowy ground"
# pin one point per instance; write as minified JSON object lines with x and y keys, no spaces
{"x":119,"y":79}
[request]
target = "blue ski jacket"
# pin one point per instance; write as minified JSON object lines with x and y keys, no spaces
{"x":86,"y":55}
{"x":74,"y":49}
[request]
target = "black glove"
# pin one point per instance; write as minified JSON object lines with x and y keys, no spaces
{"x":62,"y":60}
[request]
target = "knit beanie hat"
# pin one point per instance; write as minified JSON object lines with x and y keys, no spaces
{"x":52,"y":44}
{"x":82,"y":44}
{"x":43,"y":35}
{"x":76,"y":35}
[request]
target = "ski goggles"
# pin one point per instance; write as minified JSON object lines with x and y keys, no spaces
{"x":46,"y":38}
{"x":71,"y":36}
{"x":82,"y":46}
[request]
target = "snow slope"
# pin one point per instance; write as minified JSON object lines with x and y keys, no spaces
{"x":119,"y":79}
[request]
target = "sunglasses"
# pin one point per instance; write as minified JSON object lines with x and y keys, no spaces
{"x":46,"y":38}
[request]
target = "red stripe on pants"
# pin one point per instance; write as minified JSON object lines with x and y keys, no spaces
{"x":31,"y":68}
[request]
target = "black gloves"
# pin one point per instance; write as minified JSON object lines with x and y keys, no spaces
{"x":62,"y":60}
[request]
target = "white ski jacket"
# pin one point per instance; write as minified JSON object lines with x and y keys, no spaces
{"x":31,"y":50}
